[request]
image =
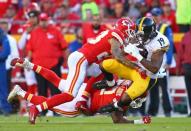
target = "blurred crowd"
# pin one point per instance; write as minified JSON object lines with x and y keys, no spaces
{"x":42,"y":24}
{"x":69,"y":13}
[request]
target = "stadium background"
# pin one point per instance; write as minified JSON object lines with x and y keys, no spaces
{"x":14,"y":12}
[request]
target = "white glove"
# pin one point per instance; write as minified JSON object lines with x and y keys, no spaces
{"x":134,"y":51}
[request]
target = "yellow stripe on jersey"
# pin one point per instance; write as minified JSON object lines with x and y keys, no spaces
{"x":141,"y":24}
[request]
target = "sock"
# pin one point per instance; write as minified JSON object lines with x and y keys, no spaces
{"x":54,"y":101}
{"x":47,"y":74}
{"x":88,"y":90}
{"x":138,"y":121}
{"x":32,"y":89}
{"x":34,"y":99}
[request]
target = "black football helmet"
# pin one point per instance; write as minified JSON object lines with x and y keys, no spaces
{"x":146,"y":29}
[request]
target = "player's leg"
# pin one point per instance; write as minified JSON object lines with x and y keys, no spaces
{"x":77,"y":71}
{"x":137,"y":88}
{"x":44,"y":72}
{"x":18,"y":91}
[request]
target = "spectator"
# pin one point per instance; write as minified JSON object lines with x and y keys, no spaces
{"x":133,"y":12}
{"x":14,"y":53}
{"x":169,"y":16}
{"x":10,"y":12}
{"x":48,"y":6}
{"x":184,"y":60}
{"x":183,"y":15}
{"x":143,"y":8}
{"x":22,"y":15}
{"x":118,"y":11}
{"x":4,"y":4}
{"x":167,"y":60}
{"x":28,"y":27}
{"x":5,"y":108}
{"x":46,"y":45}
{"x":66,"y":20}
{"x":89,"y":8}
{"x":21,"y":12}
{"x":93,"y":28}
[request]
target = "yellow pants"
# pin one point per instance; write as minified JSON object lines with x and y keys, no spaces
{"x":139,"y":85}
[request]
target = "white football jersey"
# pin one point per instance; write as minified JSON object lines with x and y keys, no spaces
{"x":160,"y":42}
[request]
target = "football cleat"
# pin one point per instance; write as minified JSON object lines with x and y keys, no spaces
{"x":33,"y":113}
{"x":102,"y":85}
{"x":146,"y":119}
{"x":13,"y":93}
{"x":20,"y":62}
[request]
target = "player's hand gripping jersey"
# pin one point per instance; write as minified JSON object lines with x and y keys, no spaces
{"x":99,"y":47}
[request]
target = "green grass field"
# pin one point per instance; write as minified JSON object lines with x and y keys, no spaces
{"x":98,"y":123}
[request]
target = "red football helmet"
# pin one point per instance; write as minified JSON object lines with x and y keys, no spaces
{"x":126,"y":26}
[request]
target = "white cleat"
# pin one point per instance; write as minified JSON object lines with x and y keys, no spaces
{"x":13,"y":93}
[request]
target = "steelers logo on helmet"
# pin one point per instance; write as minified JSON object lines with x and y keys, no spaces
{"x":146,"y":29}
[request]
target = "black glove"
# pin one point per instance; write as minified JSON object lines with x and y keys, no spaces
{"x":110,"y":108}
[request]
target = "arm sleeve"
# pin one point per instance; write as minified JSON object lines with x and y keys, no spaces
{"x":169,"y":54}
{"x":5,"y":48}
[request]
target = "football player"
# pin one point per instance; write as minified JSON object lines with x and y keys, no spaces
{"x":156,"y":44}
{"x":98,"y":98}
{"x":78,"y":62}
